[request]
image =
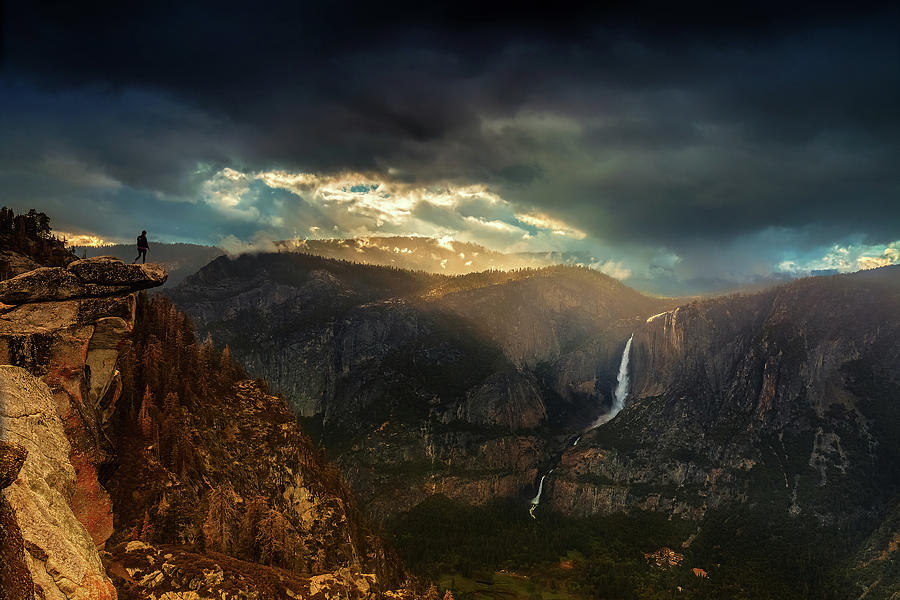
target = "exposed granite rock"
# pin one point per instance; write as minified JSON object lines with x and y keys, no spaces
{"x":41,"y":284}
{"x":59,"y":553}
{"x":102,"y":276}
{"x":16,"y":263}
{"x":110,"y":271}
{"x":110,"y":333}
{"x":510,"y":400}
{"x":15,"y":579}
{"x":166,"y":572}
{"x":784,"y":399}
{"x":664,"y":558}
{"x":874,"y":568}
{"x":424,"y":371}
{"x":39,"y":318}
{"x":73,"y":343}
{"x":12,"y":457}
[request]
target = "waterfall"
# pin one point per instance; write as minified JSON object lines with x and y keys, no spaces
{"x":621,"y":391}
{"x":622,"y":381}
{"x":537,"y":498}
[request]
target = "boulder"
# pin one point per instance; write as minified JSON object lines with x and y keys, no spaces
{"x":41,"y":285}
{"x":61,"y":557}
{"x":110,"y":271}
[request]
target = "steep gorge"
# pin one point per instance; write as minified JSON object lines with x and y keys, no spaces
{"x":419,"y":383}
{"x":785,"y":399}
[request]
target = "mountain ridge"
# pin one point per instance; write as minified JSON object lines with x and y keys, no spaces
{"x":369,"y":352}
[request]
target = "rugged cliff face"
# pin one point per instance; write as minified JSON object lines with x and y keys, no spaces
{"x":875,"y":570}
{"x":421,"y":383}
{"x":784,"y":399}
{"x":60,"y":555}
{"x":62,"y":329}
{"x":189,"y":491}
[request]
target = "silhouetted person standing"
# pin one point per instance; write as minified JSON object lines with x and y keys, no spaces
{"x":143,"y":246}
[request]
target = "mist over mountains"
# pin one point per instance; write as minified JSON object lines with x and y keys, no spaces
{"x":433,"y":255}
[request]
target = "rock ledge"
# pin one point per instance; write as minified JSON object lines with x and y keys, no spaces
{"x":101,"y":276}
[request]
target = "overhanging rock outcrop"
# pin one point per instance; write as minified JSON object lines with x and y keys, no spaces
{"x":65,"y":328}
{"x":91,"y":277}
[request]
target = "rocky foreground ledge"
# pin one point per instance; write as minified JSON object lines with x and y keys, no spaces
{"x":61,"y":332}
{"x":88,"y":278}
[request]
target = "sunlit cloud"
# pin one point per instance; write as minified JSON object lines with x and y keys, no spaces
{"x":844,"y":258}
{"x":359,"y":205}
{"x":287,"y":208}
{"x":82,"y":239}
{"x":543,"y":221}
{"x":614,"y":269}
{"x":890,"y":256}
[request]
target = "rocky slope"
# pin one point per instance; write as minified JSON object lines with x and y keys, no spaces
{"x":875,"y":570}
{"x":61,"y":557}
{"x":94,"y":473}
{"x":784,"y":400}
{"x":421,"y":383}
{"x":61,"y":329}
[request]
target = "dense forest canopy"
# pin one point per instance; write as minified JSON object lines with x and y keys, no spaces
{"x":27,"y":241}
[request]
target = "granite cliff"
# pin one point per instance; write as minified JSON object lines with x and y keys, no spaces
{"x":765,"y":419}
{"x":785,"y":398}
{"x":139,"y":463}
{"x":421,"y":383}
{"x":61,"y":329}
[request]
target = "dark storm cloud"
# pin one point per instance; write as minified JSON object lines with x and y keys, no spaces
{"x":656,"y":122}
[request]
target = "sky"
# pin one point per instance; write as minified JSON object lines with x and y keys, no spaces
{"x":679,"y":147}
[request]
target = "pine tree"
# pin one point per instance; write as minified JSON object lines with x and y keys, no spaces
{"x":170,"y":404}
{"x":145,"y":416}
{"x":6,"y":220}
{"x":276,"y":539}
{"x":448,"y":595}
{"x":432,"y":593}
{"x":151,"y":362}
{"x":253,"y":513}
{"x":217,"y":527}
{"x":183,"y":458}
{"x":146,"y":527}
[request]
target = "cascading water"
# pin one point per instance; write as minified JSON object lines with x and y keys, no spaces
{"x":621,"y":391}
{"x":619,"y":396}
{"x":537,"y":497}
{"x":622,"y":380}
